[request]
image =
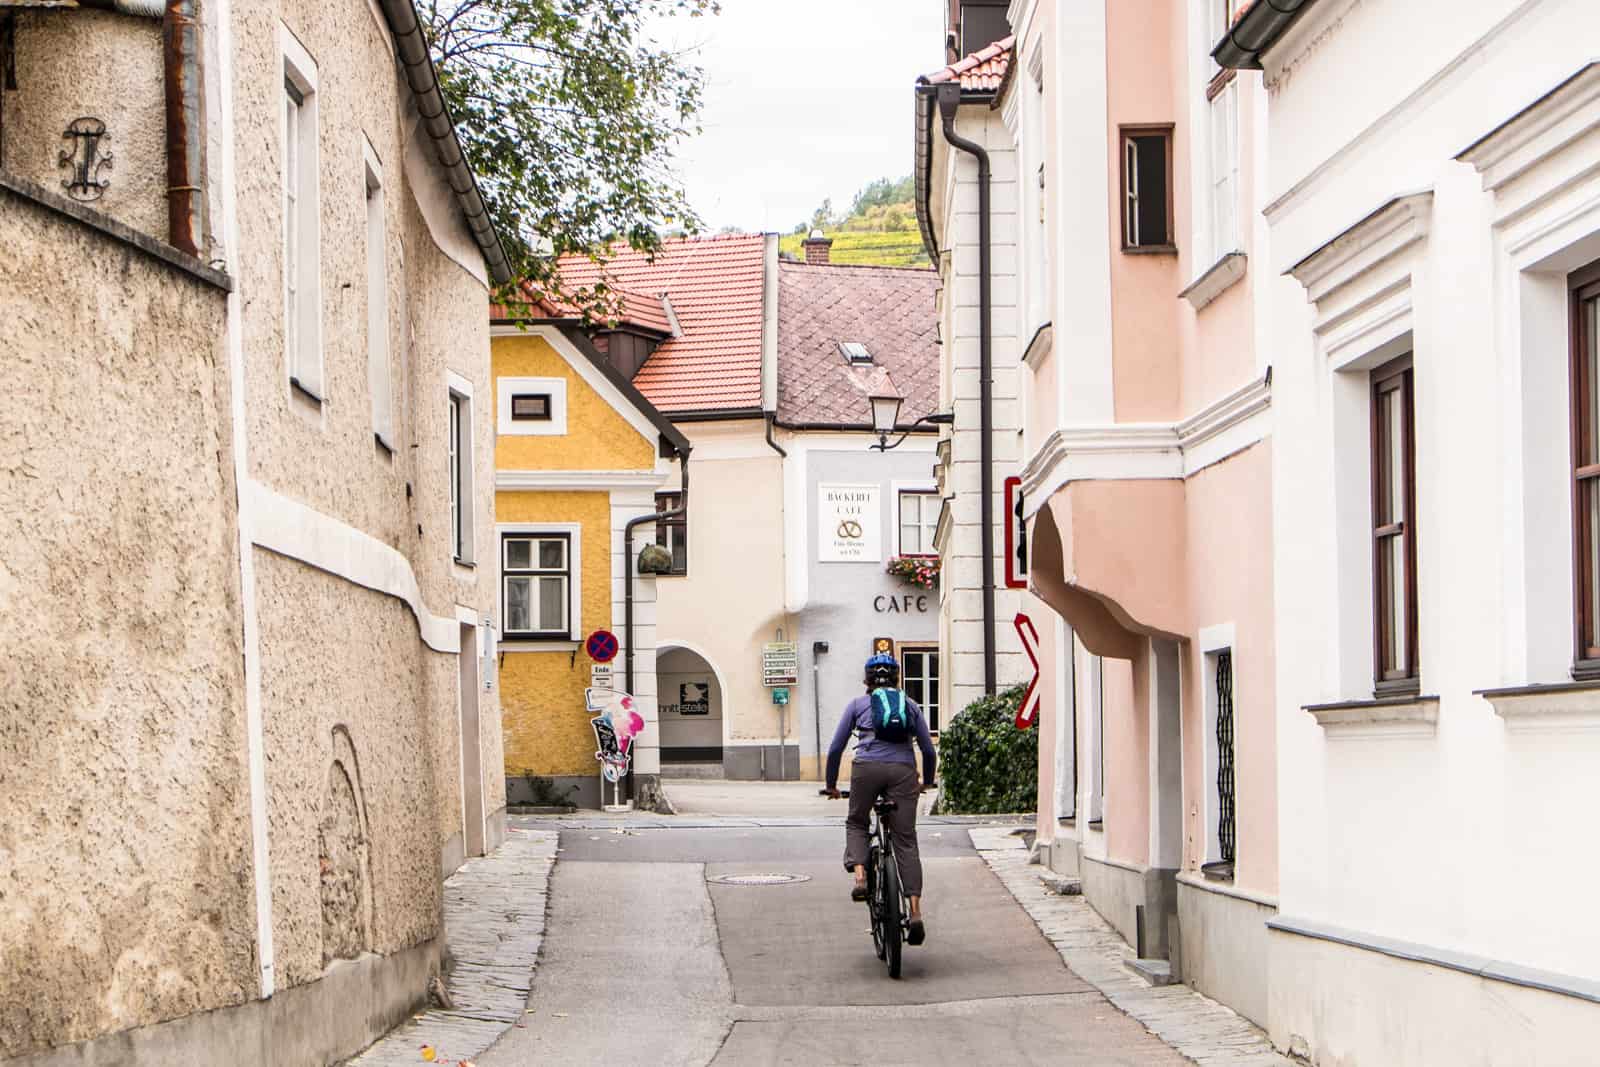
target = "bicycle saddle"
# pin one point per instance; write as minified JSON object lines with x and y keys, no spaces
{"x":886,"y":804}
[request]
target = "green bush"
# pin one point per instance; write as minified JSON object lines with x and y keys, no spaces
{"x":987,"y":765}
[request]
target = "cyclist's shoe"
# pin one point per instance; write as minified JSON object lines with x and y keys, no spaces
{"x":858,"y":894}
{"x":915,"y":932}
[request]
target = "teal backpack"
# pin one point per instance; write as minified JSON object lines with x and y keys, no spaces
{"x":891,"y":719}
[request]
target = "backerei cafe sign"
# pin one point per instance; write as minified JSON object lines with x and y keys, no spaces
{"x":848,"y":519}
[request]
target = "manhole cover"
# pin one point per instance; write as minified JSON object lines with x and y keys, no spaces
{"x":759,"y":879}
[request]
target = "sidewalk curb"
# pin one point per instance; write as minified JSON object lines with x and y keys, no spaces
{"x":494,"y":918}
{"x":1194,"y":1025}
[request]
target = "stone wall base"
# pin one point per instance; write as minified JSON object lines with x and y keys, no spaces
{"x":322,"y":1022}
{"x":1136,"y":900}
{"x":1224,"y":947}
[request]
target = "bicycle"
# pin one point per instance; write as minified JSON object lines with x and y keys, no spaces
{"x":885,"y":900}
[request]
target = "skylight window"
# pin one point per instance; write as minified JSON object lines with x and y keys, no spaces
{"x":855,"y":353}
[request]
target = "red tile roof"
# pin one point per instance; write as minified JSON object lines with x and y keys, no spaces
{"x":714,"y":285}
{"x":890,"y":310}
{"x":982,"y":71}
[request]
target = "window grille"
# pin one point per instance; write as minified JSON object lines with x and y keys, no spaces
{"x":1225,"y":805}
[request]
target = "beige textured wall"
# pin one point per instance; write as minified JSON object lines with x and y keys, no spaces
{"x":64,"y":72}
{"x":327,"y":457}
{"x":333,"y":656}
{"x":125,"y":868}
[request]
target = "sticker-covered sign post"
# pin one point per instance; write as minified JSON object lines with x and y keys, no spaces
{"x":616,"y":720}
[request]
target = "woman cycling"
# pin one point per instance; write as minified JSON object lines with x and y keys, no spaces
{"x":887,"y":767}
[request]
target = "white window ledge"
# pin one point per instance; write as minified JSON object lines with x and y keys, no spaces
{"x":1554,"y":708}
{"x":1407,"y":716}
{"x":1215,"y":281}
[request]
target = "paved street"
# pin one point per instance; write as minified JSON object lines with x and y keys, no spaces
{"x":647,"y":961}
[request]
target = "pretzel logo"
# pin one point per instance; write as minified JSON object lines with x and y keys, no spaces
{"x":850,"y":530}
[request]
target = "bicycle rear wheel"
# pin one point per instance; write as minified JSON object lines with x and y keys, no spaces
{"x":890,"y":919}
{"x":874,"y":905}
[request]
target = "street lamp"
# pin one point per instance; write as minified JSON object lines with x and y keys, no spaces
{"x":885,"y":413}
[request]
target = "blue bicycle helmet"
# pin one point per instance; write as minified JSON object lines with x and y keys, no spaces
{"x":882,"y":670}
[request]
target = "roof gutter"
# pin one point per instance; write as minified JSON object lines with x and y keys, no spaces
{"x":1255,"y":31}
{"x":424,"y":82}
{"x":950,"y":100}
{"x":922,"y":165}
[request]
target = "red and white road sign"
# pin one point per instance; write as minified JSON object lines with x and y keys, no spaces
{"x":1028,"y":713}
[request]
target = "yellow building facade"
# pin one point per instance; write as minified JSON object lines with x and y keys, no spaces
{"x":580,"y":455}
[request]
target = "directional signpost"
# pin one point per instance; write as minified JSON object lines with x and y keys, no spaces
{"x":780,"y":663}
{"x":1029,"y":710}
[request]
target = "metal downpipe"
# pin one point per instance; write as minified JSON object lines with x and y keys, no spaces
{"x":180,"y":48}
{"x":627,"y":582}
{"x":949,"y":101}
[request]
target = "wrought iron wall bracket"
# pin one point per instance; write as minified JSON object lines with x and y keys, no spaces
{"x":85,"y":137}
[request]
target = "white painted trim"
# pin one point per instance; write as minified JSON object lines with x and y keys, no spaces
{"x":574,"y":530}
{"x":459,"y":387}
{"x":1538,"y":132}
{"x":384,"y":33}
{"x":1414,"y":718}
{"x":507,"y":387}
{"x":1223,"y":889}
{"x":1385,"y":233}
{"x":308,"y":370}
{"x":769,"y":323}
{"x":255,"y":736}
{"x":592,"y":376}
{"x":1562,"y":710}
{"x":1145,"y":451}
{"x":914,"y":485}
{"x":1216,"y":638}
{"x":549,"y":480}
{"x":458,"y":384}
{"x":284,"y":525}
{"x":1218,"y":279}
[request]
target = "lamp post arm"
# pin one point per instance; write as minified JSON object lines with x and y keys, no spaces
{"x":942,"y":418}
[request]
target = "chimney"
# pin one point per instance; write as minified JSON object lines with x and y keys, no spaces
{"x":816,"y":247}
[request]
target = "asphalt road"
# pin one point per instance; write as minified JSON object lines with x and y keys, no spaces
{"x":645,"y":961}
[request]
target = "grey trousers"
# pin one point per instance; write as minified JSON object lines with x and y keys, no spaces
{"x":899,"y":782}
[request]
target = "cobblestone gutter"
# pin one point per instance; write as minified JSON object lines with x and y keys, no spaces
{"x":1194,"y":1025}
{"x":494,"y":916}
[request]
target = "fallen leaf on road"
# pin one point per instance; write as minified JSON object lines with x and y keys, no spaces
{"x":428,"y":1053}
{"x":561,"y":1015}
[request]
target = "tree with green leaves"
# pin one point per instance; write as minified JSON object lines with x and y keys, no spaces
{"x":569,"y":113}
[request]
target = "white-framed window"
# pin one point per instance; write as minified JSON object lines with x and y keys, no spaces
{"x":1096,"y":768}
{"x":379,"y":374}
{"x":1222,"y":174}
{"x":540,"y":582}
{"x":673,"y":534}
{"x":919,"y":518}
{"x":302,"y":286}
{"x":919,"y":677}
{"x":531,"y":407}
{"x":459,"y":435}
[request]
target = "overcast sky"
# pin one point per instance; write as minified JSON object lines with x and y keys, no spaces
{"x":804,"y":100}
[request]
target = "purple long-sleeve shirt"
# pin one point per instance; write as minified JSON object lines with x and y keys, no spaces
{"x":857,"y":719}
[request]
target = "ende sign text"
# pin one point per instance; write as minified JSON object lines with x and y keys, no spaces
{"x":848,"y":527}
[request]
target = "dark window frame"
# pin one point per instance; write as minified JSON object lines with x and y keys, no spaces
{"x":667,"y":501}
{"x":900,"y":525}
{"x":1394,"y":377}
{"x":935,"y":676}
{"x":1125,"y":135}
{"x":549,"y":407}
{"x":507,"y":573}
{"x":1583,"y":287}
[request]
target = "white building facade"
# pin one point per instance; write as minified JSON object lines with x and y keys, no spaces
{"x":1434,"y":209}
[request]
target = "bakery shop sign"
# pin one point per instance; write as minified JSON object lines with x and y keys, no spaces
{"x":849,"y":521}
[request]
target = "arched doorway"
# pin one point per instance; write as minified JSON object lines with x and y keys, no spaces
{"x":689,"y":694}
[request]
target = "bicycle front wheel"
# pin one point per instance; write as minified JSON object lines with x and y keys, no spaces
{"x":890,"y":919}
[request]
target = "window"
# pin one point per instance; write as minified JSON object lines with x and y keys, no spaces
{"x":855,"y":353}
{"x":1147,"y":188}
{"x":1221,"y":834}
{"x":919,"y":517}
{"x":530,"y":407}
{"x":1394,"y":543}
{"x":536,"y":571}
{"x":1224,"y":171}
{"x":302,"y":298}
{"x":461,"y":481}
{"x":1585,"y":370}
{"x":673,"y":534}
{"x":919,"y":677}
{"x":378,"y":372}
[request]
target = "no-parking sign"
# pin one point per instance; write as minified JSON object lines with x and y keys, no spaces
{"x":601,"y":646}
